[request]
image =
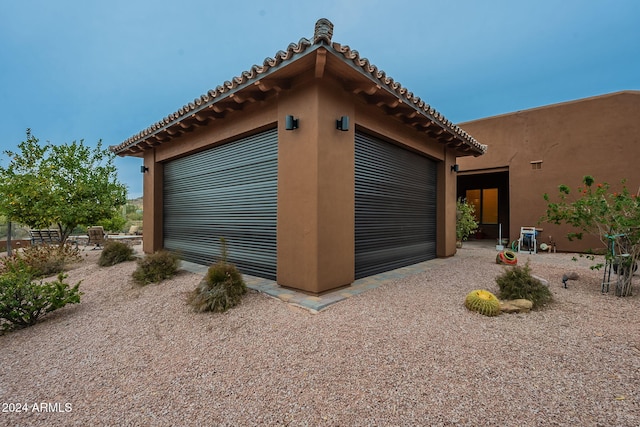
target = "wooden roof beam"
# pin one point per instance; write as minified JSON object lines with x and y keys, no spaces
{"x":362,"y":87}
{"x":277,"y":85}
{"x":423,"y":125}
{"x":208,"y":114}
{"x":162,"y":136}
{"x":413,"y":118}
{"x":174,"y":131}
{"x":186,"y":125}
{"x":156,"y":140}
{"x":394,"y":103}
{"x":448,"y":138}
{"x":321,"y":62}
{"x":144,"y":144}
{"x":247,"y":96}
{"x":221,"y":107}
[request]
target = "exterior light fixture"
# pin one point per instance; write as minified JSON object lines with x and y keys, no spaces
{"x":290,"y":123}
{"x":455,"y":168}
{"x":343,"y":123}
{"x":143,"y":169}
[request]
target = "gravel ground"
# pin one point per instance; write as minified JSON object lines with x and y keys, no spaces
{"x":406,"y":353}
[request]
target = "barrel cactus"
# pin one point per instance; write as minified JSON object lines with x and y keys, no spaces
{"x":483,"y":302}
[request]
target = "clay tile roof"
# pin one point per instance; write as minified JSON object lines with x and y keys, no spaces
{"x":322,"y":36}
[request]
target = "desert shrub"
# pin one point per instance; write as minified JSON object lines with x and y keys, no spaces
{"x":13,"y":264}
{"x":465,"y":219}
{"x":115,"y":252}
{"x":156,"y":267}
{"x":222,"y":287}
{"x":613,"y":216}
{"x":517,"y":282}
{"x":23,"y":301}
{"x":42,"y":260}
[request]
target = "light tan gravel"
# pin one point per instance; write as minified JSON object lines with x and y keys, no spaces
{"x":407,"y":353}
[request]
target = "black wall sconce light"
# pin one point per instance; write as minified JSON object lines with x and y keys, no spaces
{"x":144,"y":169}
{"x":290,"y":123}
{"x":455,"y":168}
{"x":343,"y":123}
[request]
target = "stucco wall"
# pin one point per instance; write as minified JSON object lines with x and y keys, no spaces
{"x":597,"y":136}
{"x":315,"y":190}
{"x":316,"y":197}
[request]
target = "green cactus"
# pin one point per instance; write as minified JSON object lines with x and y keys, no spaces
{"x":483,"y":302}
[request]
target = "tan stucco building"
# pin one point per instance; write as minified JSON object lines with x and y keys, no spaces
{"x":532,"y":152}
{"x":315,"y":167}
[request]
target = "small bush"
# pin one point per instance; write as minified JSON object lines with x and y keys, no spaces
{"x":221,"y":289}
{"x":23,"y":301}
{"x":114,"y":253}
{"x":517,"y":282}
{"x":156,"y":267}
{"x":41,"y":260}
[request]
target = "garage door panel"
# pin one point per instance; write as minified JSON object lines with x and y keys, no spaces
{"x":228,"y":191}
{"x":230,"y":178}
{"x":395,"y":206}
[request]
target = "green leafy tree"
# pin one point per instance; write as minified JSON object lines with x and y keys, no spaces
{"x":465,"y":220}
{"x":115,"y":223}
{"x":62,"y":185}
{"x":613,"y":216}
{"x":130,"y":209}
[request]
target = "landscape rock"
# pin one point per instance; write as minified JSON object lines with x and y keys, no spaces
{"x":541,"y":279}
{"x":516,"y":306}
{"x":569,"y":276}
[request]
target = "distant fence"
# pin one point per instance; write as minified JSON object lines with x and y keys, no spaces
{"x":18,"y":231}
{"x":19,"y":235}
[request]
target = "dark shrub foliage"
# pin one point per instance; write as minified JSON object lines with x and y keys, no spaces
{"x":42,"y":260}
{"x":156,"y":267}
{"x":221,"y":289}
{"x":23,"y":301}
{"x":516,"y":282}
{"x":114,"y":253}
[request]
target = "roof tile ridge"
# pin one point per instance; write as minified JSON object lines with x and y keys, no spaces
{"x":246,"y":76}
{"x":323,"y":31}
{"x":322,"y":35}
{"x":401,"y":91}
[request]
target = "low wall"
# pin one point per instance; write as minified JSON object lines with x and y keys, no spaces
{"x":15,"y":244}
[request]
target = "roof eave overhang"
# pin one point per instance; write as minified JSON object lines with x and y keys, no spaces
{"x":257,"y":84}
{"x":399,"y":102}
{"x":251,"y":86}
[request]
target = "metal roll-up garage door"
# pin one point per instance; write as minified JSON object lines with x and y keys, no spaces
{"x":395,"y":206}
{"x":227,"y":191}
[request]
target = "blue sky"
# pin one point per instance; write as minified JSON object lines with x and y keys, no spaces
{"x":72,"y":70}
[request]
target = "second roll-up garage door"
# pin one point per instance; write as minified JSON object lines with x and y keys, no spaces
{"x":395,"y":206}
{"x":227,"y":191}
